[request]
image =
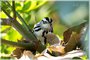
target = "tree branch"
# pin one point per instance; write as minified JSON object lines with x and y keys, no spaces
{"x":28,"y":35}
{"x":19,"y":28}
{"x":30,"y":45}
{"x":25,"y":33}
{"x":5,"y":21}
{"x":13,"y":9}
{"x":6,"y":12}
{"x":21,"y":19}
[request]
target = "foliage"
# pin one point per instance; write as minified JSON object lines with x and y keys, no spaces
{"x":10,"y":33}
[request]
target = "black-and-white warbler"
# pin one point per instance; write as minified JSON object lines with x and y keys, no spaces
{"x":42,"y":28}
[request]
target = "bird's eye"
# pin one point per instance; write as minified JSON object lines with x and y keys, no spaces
{"x":45,"y":22}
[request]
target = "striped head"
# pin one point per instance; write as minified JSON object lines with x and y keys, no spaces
{"x":46,"y":24}
{"x":47,"y":20}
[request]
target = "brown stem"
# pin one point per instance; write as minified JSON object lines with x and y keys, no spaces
{"x":29,"y":46}
{"x":13,"y":9}
{"x":6,"y":12}
{"x":5,"y":21}
{"x":19,"y":44}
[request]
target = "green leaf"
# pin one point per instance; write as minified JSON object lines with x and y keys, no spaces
{"x":26,"y":6}
{"x":4,"y":5}
{"x":4,"y":28}
{"x":17,"y":4}
{"x":12,"y":34}
{"x":26,"y":17}
{"x":18,"y":7}
{"x":4,"y":48}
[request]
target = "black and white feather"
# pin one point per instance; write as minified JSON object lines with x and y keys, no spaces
{"x":42,"y":28}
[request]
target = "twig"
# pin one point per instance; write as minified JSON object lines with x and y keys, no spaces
{"x":19,"y":44}
{"x":21,"y":29}
{"x":6,"y":13}
{"x":21,"y":19}
{"x":28,"y":35}
{"x":5,"y":21}
{"x":19,"y":16}
{"x":13,"y":9}
{"x":29,"y":46}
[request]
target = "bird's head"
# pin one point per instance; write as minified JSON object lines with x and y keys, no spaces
{"x":47,"y":23}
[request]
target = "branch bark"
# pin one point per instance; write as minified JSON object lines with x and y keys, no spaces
{"x":30,"y":46}
{"x":5,"y":21}
{"x":18,"y":44}
{"x":18,"y":15}
{"x":13,"y":9}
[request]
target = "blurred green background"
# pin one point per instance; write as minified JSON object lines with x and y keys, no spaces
{"x":65,"y":14}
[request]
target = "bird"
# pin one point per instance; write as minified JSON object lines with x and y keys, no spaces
{"x":45,"y":23}
{"x":42,"y":28}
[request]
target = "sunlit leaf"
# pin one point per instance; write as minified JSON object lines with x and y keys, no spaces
{"x":4,"y":5}
{"x":4,"y":28}
{"x":10,"y":49}
{"x":18,"y":6}
{"x":4,"y":48}
{"x":84,"y":57}
{"x":26,"y":6}
{"x":2,"y":15}
{"x":26,"y":17}
{"x":12,"y":34}
{"x":41,"y":3}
